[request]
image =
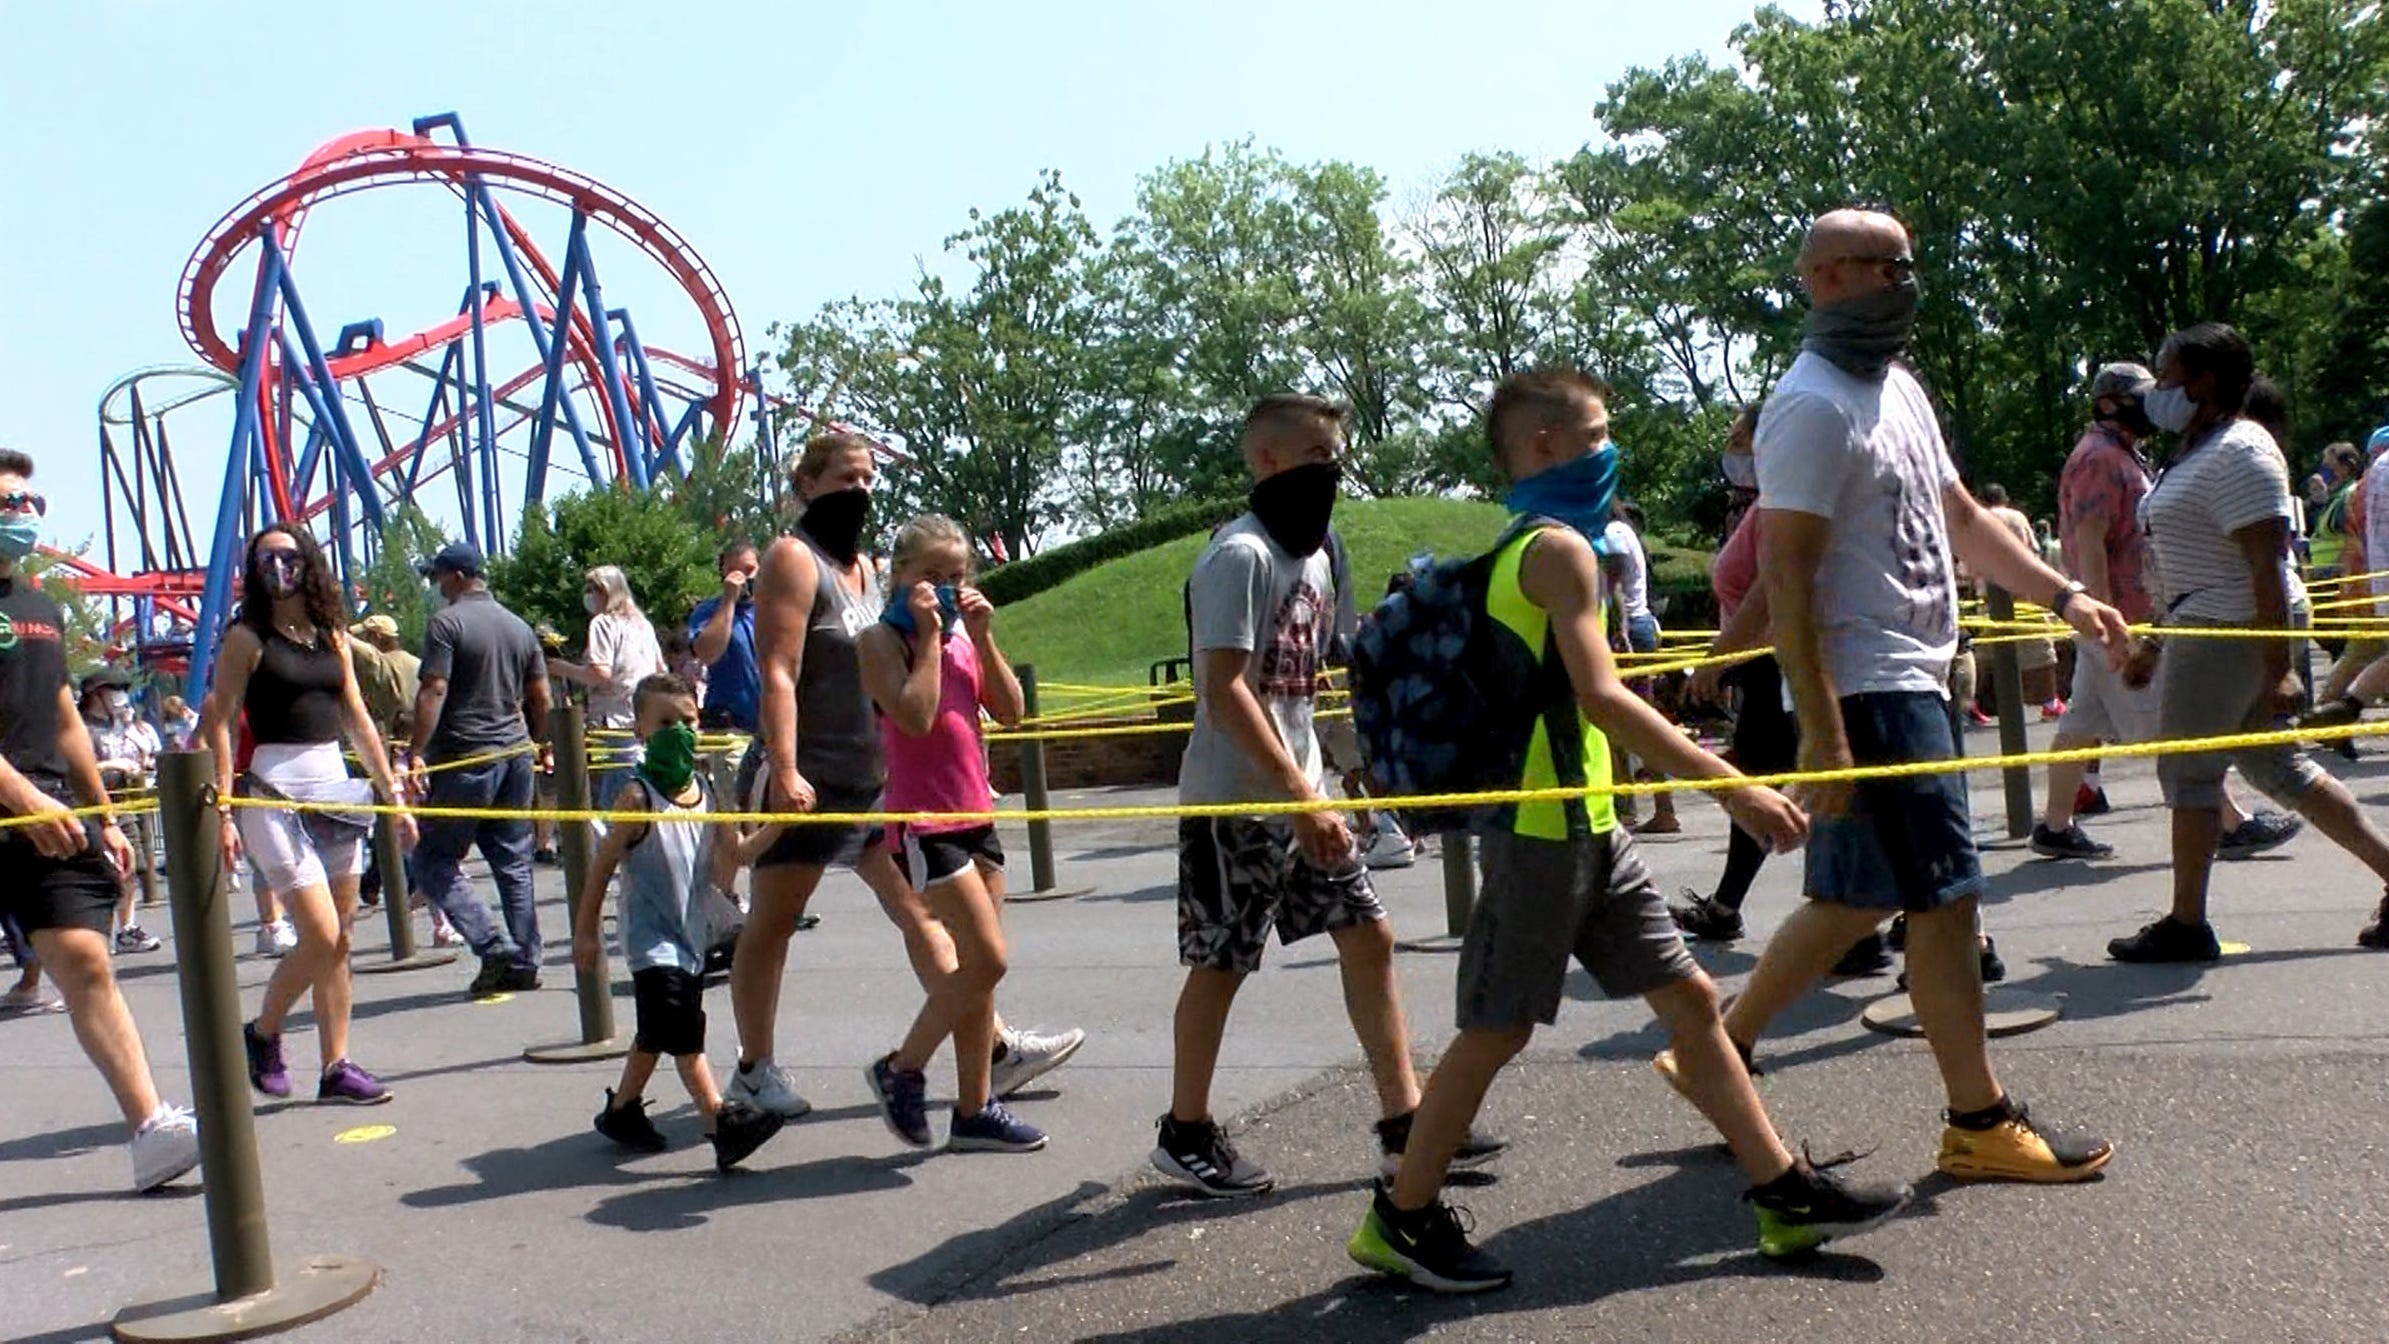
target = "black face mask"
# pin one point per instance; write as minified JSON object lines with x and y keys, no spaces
{"x":2133,"y":421}
{"x":1862,"y":335}
{"x":835,"y":522}
{"x":1295,"y":506}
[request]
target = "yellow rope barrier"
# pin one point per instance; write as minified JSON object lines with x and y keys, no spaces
{"x":1486,"y":798}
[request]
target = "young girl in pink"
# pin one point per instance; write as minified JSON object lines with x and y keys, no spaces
{"x":931,"y":665}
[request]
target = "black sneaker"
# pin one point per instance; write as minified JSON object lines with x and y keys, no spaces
{"x":519,"y":979}
{"x":1393,"y":1139}
{"x":1896,"y":937}
{"x":2258,"y":834}
{"x":1867,"y":956}
{"x":1430,"y":1248}
{"x":2069,"y":843}
{"x":1706,"y":919}
{"x":1993,"y":969}
{"x":1812,"y":1204}
{"x":2168,"y":940}
{"x":545,"y":858}
{"x":2376,"y":934}
{"x":2333,"y":713}
{"x":740,"y":1129}
{"x":1199,"y":1157}
{"x":628,"y":1125}
{"x":491,"y":980}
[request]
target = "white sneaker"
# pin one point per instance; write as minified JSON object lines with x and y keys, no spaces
{"x":767,"y":1087}
{"x":265,"y":941}
{"x":286,"y":938}
{"x":166,"y":1146}
{"x":1391,"y":849}
{"x":1028,"y":1056}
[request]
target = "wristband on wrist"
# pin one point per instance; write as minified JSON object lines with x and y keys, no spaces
{"x":2065,"y":598}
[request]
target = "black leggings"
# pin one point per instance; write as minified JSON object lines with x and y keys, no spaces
{"x":1766,"y":741}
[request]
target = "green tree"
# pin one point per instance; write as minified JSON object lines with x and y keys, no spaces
{"x":391,"y":586}
{"x":670,"y":564}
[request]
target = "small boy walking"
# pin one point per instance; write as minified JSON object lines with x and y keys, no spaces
{"x":666,"y":865}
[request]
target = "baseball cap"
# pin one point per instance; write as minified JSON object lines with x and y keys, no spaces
{"x":375,"y":627}
{"x":2377,"y":444}
{"x":457,"y":557}
{"x":2124,"y":379}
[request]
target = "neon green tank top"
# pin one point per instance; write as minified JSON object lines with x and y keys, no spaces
{"x":1507,"y":603}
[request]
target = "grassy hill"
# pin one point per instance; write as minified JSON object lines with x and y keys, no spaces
{"x":1108,"y":625}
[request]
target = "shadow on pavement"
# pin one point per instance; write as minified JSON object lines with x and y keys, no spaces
{"x":1683,"y":1232}
{"x":62,"y":1143}
{"x":681,"y":1203}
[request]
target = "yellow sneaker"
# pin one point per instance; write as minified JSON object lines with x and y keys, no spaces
{"x":2015,"y":1149}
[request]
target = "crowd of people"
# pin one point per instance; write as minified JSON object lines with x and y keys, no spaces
{"x":868,"y":689}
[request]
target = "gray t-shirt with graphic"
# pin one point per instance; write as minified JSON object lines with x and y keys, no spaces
{"x":1249,"y":594}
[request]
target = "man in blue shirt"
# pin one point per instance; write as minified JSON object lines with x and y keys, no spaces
{"x":722,"y":630}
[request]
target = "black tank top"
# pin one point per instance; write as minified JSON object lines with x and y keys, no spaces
{"x":294,"y":695}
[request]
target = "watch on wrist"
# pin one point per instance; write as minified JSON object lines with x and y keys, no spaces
{"x":2065,"y":598}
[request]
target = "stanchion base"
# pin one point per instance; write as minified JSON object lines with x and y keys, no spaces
{"x":578,"y":1052}
{"x":322,"y":1285}
{"x":2004,"y":1014}
{"x":1049,"y":894}
{"x":421,"y":961}
{"x":1442,"y":942}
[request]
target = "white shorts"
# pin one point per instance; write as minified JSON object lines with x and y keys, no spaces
{"x":2100,"y":708}
{"x":293,"y":850}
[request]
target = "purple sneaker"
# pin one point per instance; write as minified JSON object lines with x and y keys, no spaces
{"x":266,"y":1071}
{"x":344,"y":1084}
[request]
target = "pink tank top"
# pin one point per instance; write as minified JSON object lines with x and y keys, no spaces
{"x":944,"y":770}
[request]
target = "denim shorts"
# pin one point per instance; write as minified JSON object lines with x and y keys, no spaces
{"x":1907,"y":843}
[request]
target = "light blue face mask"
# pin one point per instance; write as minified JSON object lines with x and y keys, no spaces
{"x":19,"y":534}
{"x":1577,"y":493}
{"x":949,"y":607}
{"x":2169,"y":408}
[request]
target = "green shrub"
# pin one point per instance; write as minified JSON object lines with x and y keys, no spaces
{"x":1029,"y":577}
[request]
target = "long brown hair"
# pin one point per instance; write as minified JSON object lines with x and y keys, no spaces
{"x":317,"y":590}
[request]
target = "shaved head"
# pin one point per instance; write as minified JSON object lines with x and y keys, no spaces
{"x":1840,"y":238}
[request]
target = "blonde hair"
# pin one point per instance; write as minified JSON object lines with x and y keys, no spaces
{"x":821,"y":452}
{"x":930,"y":529}
{"x":608,"y":580}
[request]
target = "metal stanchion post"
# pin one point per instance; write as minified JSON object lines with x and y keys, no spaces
{"x":2007,"y":674}
{"x":1459,"y":895}
{"x":1042,"y":886}
{"x":143,"y":832}
{"x":404,"y":955}
{"x":244,"y":1298}
{"x":594,"y":989}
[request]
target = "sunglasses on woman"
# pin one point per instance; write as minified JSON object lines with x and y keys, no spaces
{"x":24,"y":501}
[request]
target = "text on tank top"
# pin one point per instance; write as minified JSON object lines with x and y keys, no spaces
{"x":294,"y":694}
{"x":945,"y":769}
{"x":837,"y":737}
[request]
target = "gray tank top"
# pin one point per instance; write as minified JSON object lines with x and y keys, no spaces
{"x":837,"y":735}
{"x":664,"y":911}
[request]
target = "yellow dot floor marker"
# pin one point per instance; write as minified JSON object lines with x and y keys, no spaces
{"x":2234,"y":949}
{"x":365,"y":1134}
{"x":488,"y":1000}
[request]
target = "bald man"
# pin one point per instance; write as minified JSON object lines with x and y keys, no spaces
{"x":1862,"y":511}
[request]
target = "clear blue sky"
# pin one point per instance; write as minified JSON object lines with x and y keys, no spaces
{"x":808,"y":151}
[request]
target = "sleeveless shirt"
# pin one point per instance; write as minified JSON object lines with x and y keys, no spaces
{"x":294,"y":694}
{"x":837,"y":735}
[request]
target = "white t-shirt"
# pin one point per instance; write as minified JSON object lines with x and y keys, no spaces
{"x":1634,"y":590}
{"x":626,"y":646}
{"x":2232,"y":479}
{"x":1248,"y":593}
{"x":1869,"y":457}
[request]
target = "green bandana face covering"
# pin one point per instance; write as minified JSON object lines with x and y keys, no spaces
{"x":671,"y":758}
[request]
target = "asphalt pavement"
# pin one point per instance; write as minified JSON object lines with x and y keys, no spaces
{"x":2247,"y":1101}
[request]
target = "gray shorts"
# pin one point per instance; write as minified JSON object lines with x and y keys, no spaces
{"x":2100,"y":708}
{"x":1547,"y":900}
{"x":2209,"y":687}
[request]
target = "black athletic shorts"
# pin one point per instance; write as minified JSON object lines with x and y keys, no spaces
{"x":931,"y":857}
{"x":808,"y":844}
{"x":671,"y":1008}
{"x":39,"y":893}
